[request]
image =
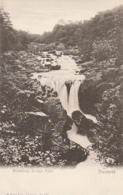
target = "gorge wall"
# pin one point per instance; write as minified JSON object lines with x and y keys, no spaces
{"x":101,"y":94}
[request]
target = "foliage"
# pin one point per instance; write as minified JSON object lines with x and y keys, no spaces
{"x":104,"y":30}
{"x":27,"y":151}
{"x":7,"y":32}
{"x":110,"y":134}
{"x":10,"y":38}
{"x":103,"y":50}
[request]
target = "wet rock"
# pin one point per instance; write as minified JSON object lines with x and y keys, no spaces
{"x":36,"y":114}
{"x":83,"y":70}
{"x":38,"y":103}
{"x":56,"y":67}
{"x":67,"y":126}
{"x":68,"y":85}
{"x":88,"y":96}
{"x":54,"y":109}
{"x":66,"y":52}
{"x":83,"y":124}
{"x":75,"y":155}
{"x":58,"y":53}
{"x":36,"y":123}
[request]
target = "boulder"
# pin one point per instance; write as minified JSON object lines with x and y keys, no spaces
{"x":33,"y":123}
{"x":83,"y":70}
{"x":88,"y":96}
{"x":58,"y":53}
{"x":54,"y":108}
{"x":61,"y":123}
{"x":75,"y":154}
{"x":42,"y":114}
{"x":66,"y":52}
{"x":47,"y":65}
{"x":79,"y":61}
{"x":67,"y":126}
{"x":84,"y":124}
{"x":56,"y":67}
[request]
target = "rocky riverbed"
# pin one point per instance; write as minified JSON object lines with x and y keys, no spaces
{"x":101,"y":94}
{"x":33,"y":122}
{"x":31,"y":109}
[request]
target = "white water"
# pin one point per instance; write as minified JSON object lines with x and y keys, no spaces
{"x":73,"y":97}
{"x":63,"y":95}
{"x":56,"y":79}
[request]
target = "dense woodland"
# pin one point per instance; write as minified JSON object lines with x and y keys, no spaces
{"x":102,"y":34}
{"x":10,"y":38}
{"x":99,"y":43}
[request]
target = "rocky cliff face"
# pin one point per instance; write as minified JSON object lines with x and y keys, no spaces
{"x":33,"y":122}
{"x":102,"y":95}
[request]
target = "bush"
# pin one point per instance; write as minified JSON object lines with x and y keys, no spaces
{"x":102,"y":50}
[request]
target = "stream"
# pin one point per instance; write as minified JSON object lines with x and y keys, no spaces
{"x":56,"y":79}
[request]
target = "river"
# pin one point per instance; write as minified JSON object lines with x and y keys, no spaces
{"x":56,"y":79}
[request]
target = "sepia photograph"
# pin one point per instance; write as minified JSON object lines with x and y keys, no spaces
{"x":61,"y":96}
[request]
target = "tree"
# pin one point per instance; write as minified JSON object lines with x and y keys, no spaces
{"x":8,"y":36}
{"x":102,"y":50}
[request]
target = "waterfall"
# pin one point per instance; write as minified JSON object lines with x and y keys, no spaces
{"x":63,"y":94}
{"x":71,"y":104}
{"x":73,"y":97}
{"x":68,"y":94}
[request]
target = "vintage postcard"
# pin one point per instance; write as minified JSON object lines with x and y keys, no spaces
{"x":61,"y":97}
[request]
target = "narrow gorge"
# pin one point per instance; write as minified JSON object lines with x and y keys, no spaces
{"x":66,"y":82}
{"x":62,"y":93}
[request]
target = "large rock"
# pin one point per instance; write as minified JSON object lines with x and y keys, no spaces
{"x":61,"y":123}
{"x":88,"y":96}
{"x":33,"y":123}
{"x":84,"y":124}
{"x":52,"y":124}
{"x":91,"y":90}
{"x":54,"y":108}
{"x":102,"y":94}
{"x":75,"y":154}
{"x":55,"y":67}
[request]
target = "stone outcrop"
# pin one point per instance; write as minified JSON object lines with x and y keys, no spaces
{"x":100,"y":95}
{"x":34,"y":124}
{"x":83,"y":124}
{"x":55,"y":67}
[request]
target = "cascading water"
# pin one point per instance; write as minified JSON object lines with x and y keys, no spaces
{"x":71,"y":104}
{"x":57,"y":81}
{"x":63,"y":95}
{"x":73,"y":97}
